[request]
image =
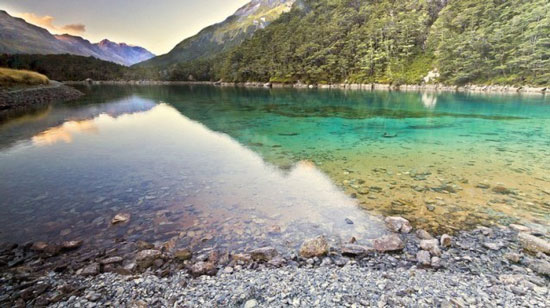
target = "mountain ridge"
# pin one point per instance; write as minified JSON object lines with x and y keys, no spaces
{"x":20,"y":37}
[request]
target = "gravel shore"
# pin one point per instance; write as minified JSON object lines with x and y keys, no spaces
{"x":489,"y":267}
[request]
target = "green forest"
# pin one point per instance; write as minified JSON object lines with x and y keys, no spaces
{"x":389,"y":41}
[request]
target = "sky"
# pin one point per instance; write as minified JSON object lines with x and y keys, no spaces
{"x":157,"y":25}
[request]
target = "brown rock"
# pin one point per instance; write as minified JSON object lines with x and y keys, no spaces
{"x":315,"y":247}
{"x":203,"y":268}
{"x":183,"y":254}
{"x":242,"y":257}
{"x":39,"y":246}
{"x":431,"y":246}
{"x":534,"y":244}
{"x":264,"y":254}
{"x":142,"y":245}
{"x":389,"y":243}
{"x":71,"y":245}
{"x":120,"y":218}
{"x":145,"y":258}
{"x":90,"y":270}
{"x":398,"y":224}
{"x":356,"y":250}
{"x":423,"y":235}
{"x":446,"y":240}
{"x":111,"y":260}
{"x":519,"y":228}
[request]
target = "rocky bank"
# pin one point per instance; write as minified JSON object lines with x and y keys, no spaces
{"x":35,"y":97}
{"x":493,"y":267}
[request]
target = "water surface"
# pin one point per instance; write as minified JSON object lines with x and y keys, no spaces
{"x":238,"y":168}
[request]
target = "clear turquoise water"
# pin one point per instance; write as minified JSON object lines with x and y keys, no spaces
{"x":232,"y":167}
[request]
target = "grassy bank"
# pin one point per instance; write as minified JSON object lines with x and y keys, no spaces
{"x":13,"y":78}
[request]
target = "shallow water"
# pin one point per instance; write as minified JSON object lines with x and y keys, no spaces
{"x":238,"y":168}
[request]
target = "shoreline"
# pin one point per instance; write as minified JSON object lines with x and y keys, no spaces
{"x":493,"y":89}
{"x":14,"y":100}
{"x":514,"y":261}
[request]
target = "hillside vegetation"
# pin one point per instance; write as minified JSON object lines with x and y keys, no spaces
{"x":390,"y":41}
{"x":12,"y":78}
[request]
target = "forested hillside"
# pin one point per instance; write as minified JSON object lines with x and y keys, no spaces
{"x":390,"y":41}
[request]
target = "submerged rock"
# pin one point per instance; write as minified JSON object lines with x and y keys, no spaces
{"x":39,"y":246}
{"x":145,"y":258}
{"x":398,"y":224}
{"x":423,"y":235}
{"x":112,"y":260}
{"x":120,"y":218}
{"x":541,"y":266}
{"x":70,"y":245}
{"x":183,"y":254}
{"x":264,"y":254}
{"x":519,"y":228}
{"x":315,"y":247}
{"x":534,"y":244}
{"x":500,"y":189}
{"x":389,"y":243}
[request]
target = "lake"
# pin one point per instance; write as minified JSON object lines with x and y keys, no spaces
{"x":236,"y":168}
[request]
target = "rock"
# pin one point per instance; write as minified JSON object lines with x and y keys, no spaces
{"x":483,"y":186}
{"x":436,"y":262}
{"x":423,"y":258}
{"x":71,"y":245}
{"x":398,"y":224}
{"x":242,"y":257}
{"x":120,"y":218}
{"x":315,"y":247}
{"x":493,"y":246}
{"x":423,"y":235}
{"x":389,"y":243}
{"x":112,"y":260}
{"x":500,"y":189}
{"x":228,"y":270}
{"x":145,"y":258}
{"x":250,"y":303}
{"x":142,"y":245}
{"x":203,"y":268}
{"x":541,"y":267}
{"x":90,"y":270}
{"x":431,"y":246}
{"x":534,"y":244}
{"x":349,"y":221}
{"x":519,"y":228}
{"x":277,"y":261}
{"x":39,"y":246}
{"x":355,"y":250}
{"x":264,"y":254}
{"x":513,"y":257}
{"x":183,"y":254}
{"x":446,"y":240}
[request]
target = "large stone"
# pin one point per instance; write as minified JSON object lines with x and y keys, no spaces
{"x":540,"y":266}
{"x":423,"y":235}
{"x":203,"y":268}
{"x":446,"y":240}
{"x":145,"y":258}
{"x":423,"y":257}
{"x":398,"y":224}
{"x":389,"y":243}
{"x":534,"y":244}
{"x":431,"y":246}
{"x":356,"y":250}
{"x":183,"y":254}
{"x":264,"y":254}
{"x":39,"y":246}
{"x":112,"y":260}
{"x":315,"y":247}
{"x":90,"y":270}
{"x":71,"y":245}
{"x":120,"y":218}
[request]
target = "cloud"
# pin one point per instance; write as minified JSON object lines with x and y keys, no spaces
{"x":48,"y":23}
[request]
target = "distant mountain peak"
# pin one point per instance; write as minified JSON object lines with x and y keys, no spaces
{"x":19,"y":37}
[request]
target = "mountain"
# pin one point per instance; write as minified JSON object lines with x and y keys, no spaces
{"x":257,"y":14}
{"x":456,"y":42}
{"x":19,"y":37}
